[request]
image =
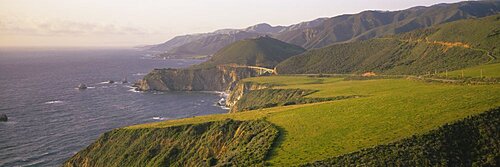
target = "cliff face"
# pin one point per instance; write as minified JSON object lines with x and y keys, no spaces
{"x":251,"y":96}
{"x":240,"y":90}
{"x":219,"y":78}
{"x":219,"y":143}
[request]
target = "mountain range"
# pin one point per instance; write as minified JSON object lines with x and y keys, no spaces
{"x":327,"y":31}
{"x":448,"y":46}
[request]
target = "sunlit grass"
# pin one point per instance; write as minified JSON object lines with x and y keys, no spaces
{"x":390,"y":109}
{"x":488,"y":70}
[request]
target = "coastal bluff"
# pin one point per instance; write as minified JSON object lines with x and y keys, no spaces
{"x":218,"y":78}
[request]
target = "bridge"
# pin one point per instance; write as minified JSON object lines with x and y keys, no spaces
{"x":260,"y":70}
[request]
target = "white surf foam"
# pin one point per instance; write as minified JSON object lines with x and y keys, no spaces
{"x":132,"y":89}
{"x":54,"y":102}
{"x":160,"y":118}
{"x":139,"y":74}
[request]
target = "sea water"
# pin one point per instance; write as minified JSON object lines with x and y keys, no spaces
{"x":50,"y":120}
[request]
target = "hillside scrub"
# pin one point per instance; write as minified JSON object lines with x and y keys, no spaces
{"x":220,"y":143}
{"x":451,"y":46}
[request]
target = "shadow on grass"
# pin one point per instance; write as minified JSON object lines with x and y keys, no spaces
{"x":282,"y":134}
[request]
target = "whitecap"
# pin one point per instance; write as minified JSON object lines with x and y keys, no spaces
{"x":223,"y":107}
{"x":160,"y":118}
{"x":139,"y":74}
{"x":132,"y":89}
{"x":54,"y":102}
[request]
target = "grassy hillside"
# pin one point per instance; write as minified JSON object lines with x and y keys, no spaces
{"x":469,"y":142}
{"x":265,"y":98}
{"x":489,"y":71}
{"x":450,"y":46}
{"x":372,"y":24}
{"x":222,"y":143}
{"x":262,"y":51}
{"x":388,"y":111}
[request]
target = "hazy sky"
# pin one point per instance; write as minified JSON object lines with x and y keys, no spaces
{"x":116,"y":23}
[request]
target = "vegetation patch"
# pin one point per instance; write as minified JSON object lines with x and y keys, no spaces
{"x":359,"y":77}
{"x":220,"y":143}
{"x":265,"y":98}
{"x":469,"y":142}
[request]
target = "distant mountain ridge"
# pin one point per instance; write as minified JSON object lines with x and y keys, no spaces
{"x":326,"y":31}
{"x":371,"y":24}
{"x":209,"y":43}
{"x":450,"y":46}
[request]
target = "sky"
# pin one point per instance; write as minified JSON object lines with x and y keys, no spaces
{"x":127,"y":23}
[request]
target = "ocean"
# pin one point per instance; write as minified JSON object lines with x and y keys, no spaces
{"x":50,"y":120}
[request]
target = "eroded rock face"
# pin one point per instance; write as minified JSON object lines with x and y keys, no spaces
{"x":220,"y":78}
{"x":241,"y":89}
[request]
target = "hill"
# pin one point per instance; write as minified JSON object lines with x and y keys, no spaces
{"x":372,"y":24}
{"x":221,"y":143}
{"x":449,"y":46}
{"x":469,"y":142}
{"x":385,"y":111}
{"x":262,"y":51}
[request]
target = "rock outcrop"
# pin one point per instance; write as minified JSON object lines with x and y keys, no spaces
{"x":240,"y":90}
{"x":219,"y":78}
{"x":3,"y":118}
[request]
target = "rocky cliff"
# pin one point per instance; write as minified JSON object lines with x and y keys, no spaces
{"x":219,"y":78}
{"x":240,"y":90}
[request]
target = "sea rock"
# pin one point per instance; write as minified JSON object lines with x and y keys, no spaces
{"x":82,"y":86}
{"x":3,"y":118}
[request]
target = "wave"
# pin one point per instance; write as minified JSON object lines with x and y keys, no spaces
{"x":139,"y":74}
{"x":132,"y":89}
{"x":223,"y":107}
{"x":221,"y":94}
{"x":54,"y":102}
{"x":161,"y":118}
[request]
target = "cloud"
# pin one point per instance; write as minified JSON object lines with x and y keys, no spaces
{"x":56,"y":27}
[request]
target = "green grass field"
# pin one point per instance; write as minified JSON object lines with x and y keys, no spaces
{"x":489,"y":71}
{"x":390,"y":110}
